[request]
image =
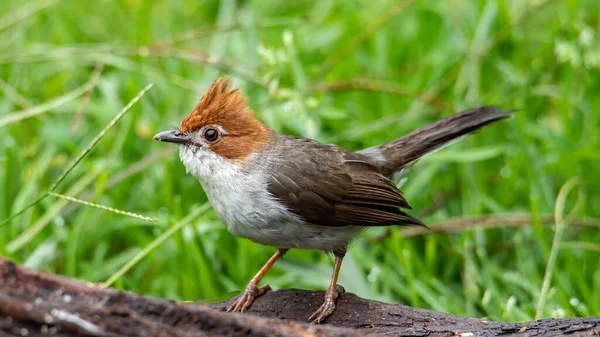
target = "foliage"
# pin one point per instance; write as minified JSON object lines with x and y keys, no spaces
{"x":355,"y":73}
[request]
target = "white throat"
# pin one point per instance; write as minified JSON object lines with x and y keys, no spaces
{"x":207,"y":166}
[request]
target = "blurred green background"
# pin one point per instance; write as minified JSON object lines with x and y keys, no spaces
{"x":356,"y":73}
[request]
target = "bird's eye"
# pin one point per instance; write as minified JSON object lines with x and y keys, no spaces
{"x":211,"y":134}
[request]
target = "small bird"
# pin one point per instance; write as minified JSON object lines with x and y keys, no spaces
{"x":291,"y":192}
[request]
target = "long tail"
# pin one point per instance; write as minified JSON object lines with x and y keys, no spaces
{"x":394,"y":156}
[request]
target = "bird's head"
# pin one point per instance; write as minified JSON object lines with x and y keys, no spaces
{"x":221,"y":125}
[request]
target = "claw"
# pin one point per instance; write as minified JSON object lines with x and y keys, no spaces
{"x":245,"y":300}
{"x":328,"y":306}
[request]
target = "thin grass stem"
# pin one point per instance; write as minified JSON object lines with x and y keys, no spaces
{"x":559,"y":219}
{"x":155,"y":243}
{"x":99,"y":136}
{"x":24,"y":12}
{"x":93,"y":143}
{"x":102,"y":207}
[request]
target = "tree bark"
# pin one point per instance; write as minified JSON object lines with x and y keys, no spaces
{"x":35,"y":303}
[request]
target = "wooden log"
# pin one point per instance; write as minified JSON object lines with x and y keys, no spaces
{"x":34,"y":303}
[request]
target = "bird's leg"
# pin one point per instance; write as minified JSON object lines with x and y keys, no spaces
{"x":252,"y":290}
{"x":331,"y":294}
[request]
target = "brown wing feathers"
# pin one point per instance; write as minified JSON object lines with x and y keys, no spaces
{"x":337,"y":188}
{"x":373,"y":200}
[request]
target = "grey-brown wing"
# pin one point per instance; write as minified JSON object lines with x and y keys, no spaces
{"x":333,"y":187}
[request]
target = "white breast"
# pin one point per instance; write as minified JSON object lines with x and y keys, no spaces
{"x":242,"y":201}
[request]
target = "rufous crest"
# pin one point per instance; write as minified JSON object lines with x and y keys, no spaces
{"x":228,"y":108}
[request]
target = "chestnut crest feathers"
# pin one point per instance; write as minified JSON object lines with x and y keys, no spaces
{"x":226,"y":110}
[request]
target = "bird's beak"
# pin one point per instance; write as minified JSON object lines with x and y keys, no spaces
{"x":171,"y":136}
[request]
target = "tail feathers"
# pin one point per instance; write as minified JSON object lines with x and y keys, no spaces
{"x":394,"y":156}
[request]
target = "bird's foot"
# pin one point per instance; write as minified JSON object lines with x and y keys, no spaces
{"x":245,"y":300}
{"x":328,"y":306}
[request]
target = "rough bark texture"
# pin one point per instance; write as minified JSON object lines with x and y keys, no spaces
{"x":35,"y":303}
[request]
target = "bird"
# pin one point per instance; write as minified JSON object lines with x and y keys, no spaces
{"x":290,"y":192}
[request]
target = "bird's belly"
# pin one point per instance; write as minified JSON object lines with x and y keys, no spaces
{"x":295,"y":234}
{"x":257,"y":216}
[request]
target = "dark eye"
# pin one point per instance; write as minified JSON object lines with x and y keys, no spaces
{"x":211,"y":134}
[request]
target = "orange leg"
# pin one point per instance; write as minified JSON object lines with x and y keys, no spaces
{"x":328,"y":306}
{"x":252,"y":290}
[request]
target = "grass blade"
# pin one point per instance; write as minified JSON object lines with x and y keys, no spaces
{"x":93,"y":143}
{"x":40,"y":109}
{"x":100,"y":135}
{"x":23,"y":12}
{"x":195,"y":213}
{"x":102,"y":207}
{"x":28,"y":235}
{"x":556,"y":242}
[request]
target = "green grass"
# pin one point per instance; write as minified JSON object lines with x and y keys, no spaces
{"x":351,"y":72}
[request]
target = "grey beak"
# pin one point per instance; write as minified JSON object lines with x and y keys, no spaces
{"x":171,"y":136}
